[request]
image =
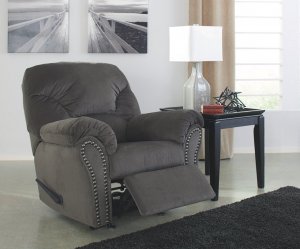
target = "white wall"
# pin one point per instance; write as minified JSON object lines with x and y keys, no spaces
{"x":291,"y":55}
{"x":281,"y":133}
{"x":155,"y":81}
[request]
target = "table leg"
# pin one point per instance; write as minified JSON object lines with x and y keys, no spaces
{"x":214,"y":156}
{"x":259,"y":142}
{"x":207,"y":159}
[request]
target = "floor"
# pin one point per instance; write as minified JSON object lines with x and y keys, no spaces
{"x":26,"y":223}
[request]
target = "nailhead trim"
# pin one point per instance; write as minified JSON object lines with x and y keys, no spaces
{"x":187,"y":145}
{"x":94,"y":182}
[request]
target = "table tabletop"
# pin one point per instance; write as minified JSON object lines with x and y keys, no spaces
{"x":244,"y":112}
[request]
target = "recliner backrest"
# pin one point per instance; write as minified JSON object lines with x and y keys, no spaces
{"x":58,"y":91}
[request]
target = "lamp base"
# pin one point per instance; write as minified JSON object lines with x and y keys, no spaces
{"x":196,"y":89}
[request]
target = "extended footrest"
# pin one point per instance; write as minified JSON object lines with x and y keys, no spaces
{"x":161,"y":190}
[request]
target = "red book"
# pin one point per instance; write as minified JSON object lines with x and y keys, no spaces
{"x":218,"y":107}
{"x":213,"y":109}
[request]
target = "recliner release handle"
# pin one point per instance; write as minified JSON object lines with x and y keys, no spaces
{"x":54,"y":196}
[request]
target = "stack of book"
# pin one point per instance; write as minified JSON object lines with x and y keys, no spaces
{"x":213,"y":109}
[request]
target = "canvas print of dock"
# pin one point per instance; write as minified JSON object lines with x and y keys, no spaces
{"x":38,"y":26}
{"x":118,"y":26}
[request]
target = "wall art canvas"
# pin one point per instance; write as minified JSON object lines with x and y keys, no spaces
{"x":38,"y":26}
{"x":118,"y":26}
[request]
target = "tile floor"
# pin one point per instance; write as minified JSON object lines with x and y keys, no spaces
{"x":26,"y":223}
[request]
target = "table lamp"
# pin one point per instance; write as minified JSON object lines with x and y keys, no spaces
{"x":196,"y":44}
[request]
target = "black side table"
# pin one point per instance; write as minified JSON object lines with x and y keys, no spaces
{"x":213,"y":125}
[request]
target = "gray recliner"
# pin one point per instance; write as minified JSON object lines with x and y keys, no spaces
{"x":87,"y":132}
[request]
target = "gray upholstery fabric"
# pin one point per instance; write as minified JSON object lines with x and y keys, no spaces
{"x":69,"y":131}
{"x":69,"y":179}
{"x":72,"y":180}
{"x":168,"y":126}
{"x":170,"y":188}
{"x":192,"y":144}
{"x":97,"y":165}
{"x":57,"y":91}
{"x":117,"y":122}
{"x":136,"y":157}
{"x":34,"y":142}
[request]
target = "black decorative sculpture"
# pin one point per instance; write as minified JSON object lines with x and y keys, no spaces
{"x":230,"y":101}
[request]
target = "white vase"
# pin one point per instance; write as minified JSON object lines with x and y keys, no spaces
{"x":196,"y":89}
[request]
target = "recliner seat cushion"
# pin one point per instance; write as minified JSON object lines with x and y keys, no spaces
{"x":135,"y":157}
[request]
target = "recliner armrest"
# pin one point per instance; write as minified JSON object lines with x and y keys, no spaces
{"x":166,"y":125}
{"x":69,"y":131}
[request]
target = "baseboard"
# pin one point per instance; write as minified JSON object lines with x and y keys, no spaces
{"x":16,"y":158}
{"x":268,"y":150}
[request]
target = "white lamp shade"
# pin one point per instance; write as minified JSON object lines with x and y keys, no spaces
{"x":196,"y":43}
